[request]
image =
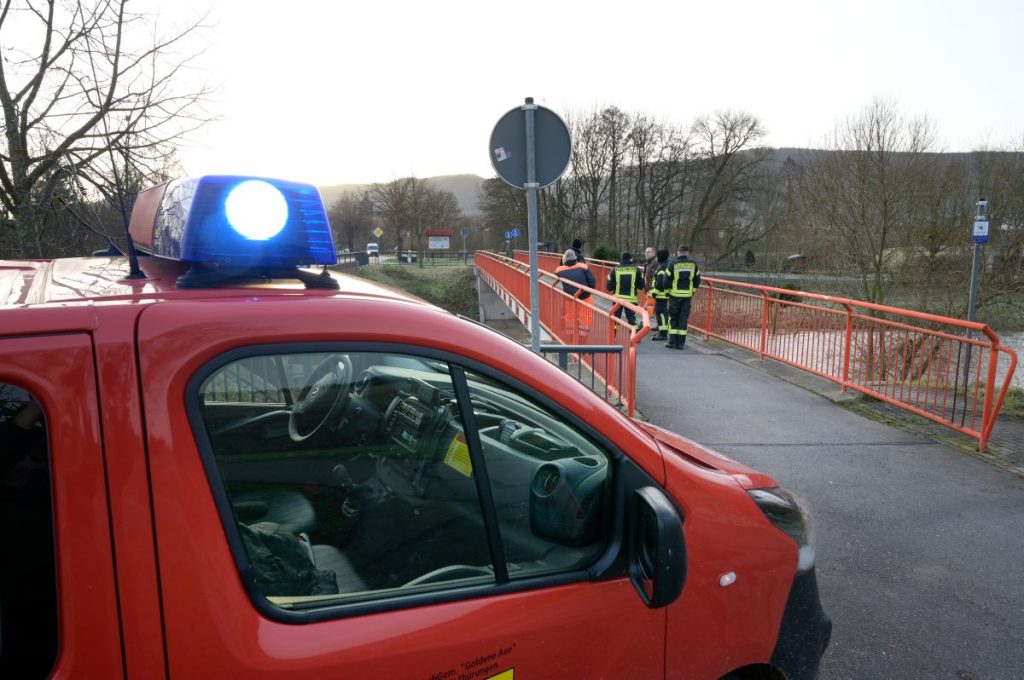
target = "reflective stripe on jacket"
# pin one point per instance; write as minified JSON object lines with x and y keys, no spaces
{"x":685,"y":277}
{"x":625,"y":280}
{"x":661,"y":282}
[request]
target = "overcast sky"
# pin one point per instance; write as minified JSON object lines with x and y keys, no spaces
{"x":330,"y":92}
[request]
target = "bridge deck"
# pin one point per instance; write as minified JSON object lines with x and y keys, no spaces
{"x":918,"y":543}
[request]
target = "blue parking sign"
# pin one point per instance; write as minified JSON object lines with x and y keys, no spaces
{"x":980,"y":231}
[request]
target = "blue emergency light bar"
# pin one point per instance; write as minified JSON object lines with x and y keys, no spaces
{"x":234,"y":222}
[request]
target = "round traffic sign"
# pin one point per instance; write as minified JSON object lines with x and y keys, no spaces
{"x":553,"y":146}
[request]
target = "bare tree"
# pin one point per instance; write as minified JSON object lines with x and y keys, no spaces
{"x":88,"y":91}
{"x":440,"y":211}
{"x":754,"y":215}
{"x":409,"y":206}
{"x":502,"y":205}
{"x":863,"y":190}
{"x":657,"y":155}
{"x":934,"y":260}
{"x":557,"y":206}
{"x":614,"y":128}
{"x":726,"y":158}
{"x":396,"y":201}
{"x":591,"y":162}
{"x":351,"y":217}
{"x":1000,"y":179}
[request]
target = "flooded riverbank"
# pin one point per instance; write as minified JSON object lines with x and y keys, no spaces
{"x":1015,"y":341}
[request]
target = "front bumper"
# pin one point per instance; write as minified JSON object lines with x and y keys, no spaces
{"x":805,"y":630}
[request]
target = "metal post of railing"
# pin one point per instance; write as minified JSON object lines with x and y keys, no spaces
{"x":574,"y":330}
{"x":627,"y":380}
{"x":990,"y":387}
{"x":847,"y":347}
{"x":764,"y":324}
{"x":711,"y":300}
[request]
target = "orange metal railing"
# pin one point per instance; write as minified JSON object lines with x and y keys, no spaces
{"x":937,"y":367}
{"x":572,"y":321}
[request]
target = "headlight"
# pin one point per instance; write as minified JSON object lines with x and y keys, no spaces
{"x":791,"y":517}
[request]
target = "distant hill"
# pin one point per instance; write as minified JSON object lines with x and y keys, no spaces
{"x":465,"y":188}
{"x":779,"y":156}
{"x":332,"y":193}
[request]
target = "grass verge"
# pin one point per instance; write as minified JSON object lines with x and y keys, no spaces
{"x":1014,"y":403}
{"x":452,"y":288}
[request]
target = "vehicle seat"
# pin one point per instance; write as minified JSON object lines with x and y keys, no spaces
{"x":287,"y":507}
{"x":328,"y":558}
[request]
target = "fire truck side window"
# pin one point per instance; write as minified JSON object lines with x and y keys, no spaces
{"x":349,"y":477}
{"x":551,"y":483}
{"x":28,"y":593}
{"x":345,"y":475}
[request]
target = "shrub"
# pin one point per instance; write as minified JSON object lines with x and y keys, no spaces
{"x":606,"y":253}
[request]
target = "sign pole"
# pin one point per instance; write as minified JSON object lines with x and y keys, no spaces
{"x":980,"y":236}
{"x":518,"y":130}
{"x":531,"y":209}
{"x":972,"y":302}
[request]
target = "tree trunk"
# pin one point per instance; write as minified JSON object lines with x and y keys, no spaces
{"x":28,"y":231}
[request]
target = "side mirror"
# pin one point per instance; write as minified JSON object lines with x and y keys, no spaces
{"x":656,"y":548}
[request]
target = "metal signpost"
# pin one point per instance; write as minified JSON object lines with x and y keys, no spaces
{"x":509,"y":237}
{"x":980,"y":237}
{"x":530,"y":149}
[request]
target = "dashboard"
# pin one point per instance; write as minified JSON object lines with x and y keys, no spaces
{"x":546,"y":479}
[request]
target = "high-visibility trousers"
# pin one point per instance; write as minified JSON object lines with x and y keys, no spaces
{"x":583,"y":313}
{"x":652,"y":308}
{"x":661,"y":312}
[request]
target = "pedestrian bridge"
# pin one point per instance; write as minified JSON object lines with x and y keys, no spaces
{"x":936,"y":367}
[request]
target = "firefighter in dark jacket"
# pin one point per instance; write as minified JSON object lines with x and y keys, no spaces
{"x":661,"y":284}
{"x":624,"y":282}
{"x":577,"y":247}
{"x":685,"y":281}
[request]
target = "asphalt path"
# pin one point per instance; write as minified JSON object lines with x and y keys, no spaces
{"x":920,"y":546}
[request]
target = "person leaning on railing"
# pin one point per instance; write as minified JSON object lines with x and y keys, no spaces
{"x":625,"y":281}
{"x":576,"y":271}
{"x":685,"y":281}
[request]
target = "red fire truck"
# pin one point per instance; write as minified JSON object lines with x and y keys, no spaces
{"x":228,"y":462}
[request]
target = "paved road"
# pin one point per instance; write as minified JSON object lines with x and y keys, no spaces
{"x":920,"y":546}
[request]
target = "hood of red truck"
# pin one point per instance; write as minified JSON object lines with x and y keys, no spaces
{"x":697,"y":454}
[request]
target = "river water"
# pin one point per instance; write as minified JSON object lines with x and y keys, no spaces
{"x":1014,"y":341}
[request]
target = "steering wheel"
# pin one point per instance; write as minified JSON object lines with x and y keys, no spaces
{"x":321,"y":398}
